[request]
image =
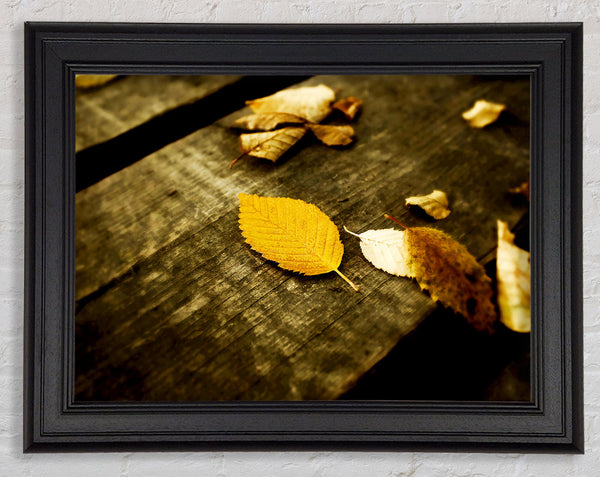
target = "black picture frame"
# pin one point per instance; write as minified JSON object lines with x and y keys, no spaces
{"x":551,"y":54}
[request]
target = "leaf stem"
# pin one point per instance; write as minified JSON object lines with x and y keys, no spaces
{"x":347,"y":280}
{"x":351,"y":233}
{"x":395,"y":220}
{"x":237,"y":159}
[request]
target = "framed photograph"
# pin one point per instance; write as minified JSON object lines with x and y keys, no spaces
{"x":303,"y":236}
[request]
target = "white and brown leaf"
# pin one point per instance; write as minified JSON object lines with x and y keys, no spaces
{"x":439,"y":264}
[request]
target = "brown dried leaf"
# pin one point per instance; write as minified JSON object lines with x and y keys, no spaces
{"x":514,"y":282}
{"x":451,"y":274}
{"x":92,"y":81}
{"x":266,"y":121}
{"x":349,"y":106}
{"x":269,"y":145}
{"x":435,"y":204}
{"x":309,"y":102}
{"x":483,"y":113}
{"x":333,"y":135}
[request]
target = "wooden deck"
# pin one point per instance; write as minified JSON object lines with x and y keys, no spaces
{"x":104,"y":113}
{"x":172,"y":304}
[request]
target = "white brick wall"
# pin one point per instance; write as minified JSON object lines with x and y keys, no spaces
{"x":13,"y":463}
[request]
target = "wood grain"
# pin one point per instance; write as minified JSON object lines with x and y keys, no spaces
{"x":173,"y":305}
{"x":105,"y":112}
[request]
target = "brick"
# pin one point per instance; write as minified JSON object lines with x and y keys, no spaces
{"x":286,"y":464}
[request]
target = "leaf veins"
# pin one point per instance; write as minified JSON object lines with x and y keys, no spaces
{"x":439,"y":264}
{"x":309,"y":102}
{"x":295,"y":234}
{"x":269,"y":145}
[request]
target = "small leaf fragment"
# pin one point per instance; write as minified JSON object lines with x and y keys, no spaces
{"x":92,"y":81}
{"x":295,"y":234}
{"x":270,"y":145}
{"x":514,"y":282}
{"x":309,"y":102}
{"x":522,"y":190}
{"x":435,"y":204}
{"x":349,"y":106}
{"x":266,"y":121}
{"x":333,"y":135}
{"x":483,"y":113}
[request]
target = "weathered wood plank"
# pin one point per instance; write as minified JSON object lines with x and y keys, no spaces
{"x":128,"y":101}
{"x":173,"y":305}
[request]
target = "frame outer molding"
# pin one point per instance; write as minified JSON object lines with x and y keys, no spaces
{"x":550,"y":53}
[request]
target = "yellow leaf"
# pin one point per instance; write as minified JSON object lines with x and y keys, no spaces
{"x":349,"y":106}
{"x":483,"y":113}
{"x":92,"y":81}
{"x":309,"y":102}
{"x":435,"y":204}
{"x":333,"y":135}
{"x":513,"y":272}
{"x":269,"y":145}
{"x":293,"y":233}
{"x":266,"y":121}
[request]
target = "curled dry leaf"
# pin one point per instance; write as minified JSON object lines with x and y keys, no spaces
{"x":298,"y":110}
{"x":269,"y":145}
{"x":435,"y":204}
{"x":514,"y":282}
{"x":349,"y":106}
{"x":333,"y":135}
{"x":266,"y":121}
{"x":92,"y":81}
{"x":295,"y":234}
{"x":439,"y":264}
{"x":483,"y":113}
{"x":309,"y":102}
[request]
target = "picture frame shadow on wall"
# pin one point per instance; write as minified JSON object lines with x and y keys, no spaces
{"x":179,"y":295}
